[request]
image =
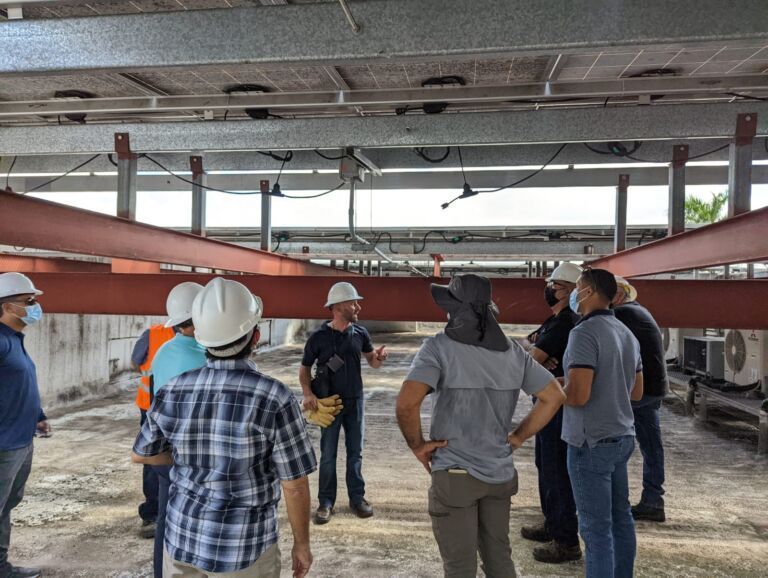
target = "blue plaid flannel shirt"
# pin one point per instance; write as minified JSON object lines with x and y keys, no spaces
{"x":235,"y":434}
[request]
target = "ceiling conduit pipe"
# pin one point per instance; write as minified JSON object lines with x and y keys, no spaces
{"x":358,"y":239}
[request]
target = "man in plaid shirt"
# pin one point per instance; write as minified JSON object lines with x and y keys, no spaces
{"x":234,"y":437}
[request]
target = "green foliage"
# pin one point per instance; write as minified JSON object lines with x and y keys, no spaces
{"x":698,"y":211}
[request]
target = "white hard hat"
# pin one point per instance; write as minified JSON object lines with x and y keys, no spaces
{"x":629,"y":291}
{"x":16,"y":284}
{"x":568,"y":272}
{"x":179,"y":302}
{"x":341,"y":292}
{"x":224,"y":311}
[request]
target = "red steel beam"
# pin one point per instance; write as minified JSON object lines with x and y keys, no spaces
{"x":24,"y":264}
{"x":674,"y":303}
{"x":740,"y":239}
{"x":30,"y":222}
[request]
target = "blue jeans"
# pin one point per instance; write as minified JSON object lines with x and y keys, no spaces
{"x":648,"y":434}
{"x":555,"y":490}
{"x":163,"y":474}
{"x":149,"y":485}
{"x":601,"y":490}
{"x":352,"y":419}
{"x":15,"y":466}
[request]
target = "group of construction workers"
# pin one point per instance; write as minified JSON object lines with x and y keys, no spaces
{"x":221,"y":443}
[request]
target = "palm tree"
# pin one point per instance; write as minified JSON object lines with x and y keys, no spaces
{"x":698,"y":211}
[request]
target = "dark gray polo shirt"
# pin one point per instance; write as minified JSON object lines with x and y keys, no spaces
{"x":475,"y":395}
{"x":602,"y":343}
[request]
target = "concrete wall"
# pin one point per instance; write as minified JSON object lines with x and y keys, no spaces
{"x":86,"y":356}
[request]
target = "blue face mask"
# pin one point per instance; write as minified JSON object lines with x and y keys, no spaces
{"x":34,"y":314}
{"x":573,"y":300}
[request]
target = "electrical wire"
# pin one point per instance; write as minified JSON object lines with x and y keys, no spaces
{"x":328,"y":192}
{"x":509,"y":186}
{"x":8,"y":175}
{"x":329,"y":158}
{"x":434,"y":160}
{"x":53,"y":180}
{"x":424,"y":240}
{"x":698,"y":156}
{"x":207,"y":188}
{"x":461,"y":163}
{"x":378,"y":238}
{"x":530,"y":176}
{"x":287,"y":158}
{"x":629,"y":154}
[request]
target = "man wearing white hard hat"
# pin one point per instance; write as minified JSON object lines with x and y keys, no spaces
{"x":179,"y":355}
{"x":647,"y":410}
{"x":337,"y":347}
{"x":559,"y":533}
{"x":234,"y":437}
{"x":20,"y":412}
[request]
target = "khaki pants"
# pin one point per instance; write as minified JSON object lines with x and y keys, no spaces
{"x":470,"y":516}
{"x":267,"y":566}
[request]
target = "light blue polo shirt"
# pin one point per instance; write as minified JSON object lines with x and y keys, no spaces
{"x":177,"y":356}
{"x":602,"y":343}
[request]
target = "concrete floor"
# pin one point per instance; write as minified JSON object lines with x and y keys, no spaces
{"x":79,"y":516}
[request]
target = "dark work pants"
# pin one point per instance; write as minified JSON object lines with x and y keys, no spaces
{"x":648,"y":432}
{"x":164,"y":484}
{"x":555,"y":491}
{"x":352,"y":419}
{"x":15,"y":466}
{"x":148,"y":510}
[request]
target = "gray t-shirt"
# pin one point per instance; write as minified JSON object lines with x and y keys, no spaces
{"x":602,"y":343}
{"x":475,"y":394}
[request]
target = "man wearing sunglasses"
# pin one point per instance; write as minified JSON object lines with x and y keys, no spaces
{"x":20,"y":412}
{"x":559,"y":532}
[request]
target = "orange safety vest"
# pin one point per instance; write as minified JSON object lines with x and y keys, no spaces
{"x":158,"y":335}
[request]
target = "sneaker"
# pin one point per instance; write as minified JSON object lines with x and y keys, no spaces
{"x":147,"y":529}
{"x":362,"y":508}
{"x":535,"y":533}
{"x":323,"y":515}
{"x":648,"y":513}
{"x":10,"y":571}
{"x":554,"y":552}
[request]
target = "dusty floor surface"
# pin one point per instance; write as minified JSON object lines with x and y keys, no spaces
{"x":79,"y":516}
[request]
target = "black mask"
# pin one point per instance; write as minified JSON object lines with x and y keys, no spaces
{"x":549,"y":296}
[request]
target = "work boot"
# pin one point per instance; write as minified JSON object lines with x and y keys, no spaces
{"x":649,"y":513}
{"x":536,"y":533}
{"x":147,"y":529}
{"x":323,"y":515}
{"x":9,"y":571}
{"x":362,"y":509}
{"x":555,"y":552}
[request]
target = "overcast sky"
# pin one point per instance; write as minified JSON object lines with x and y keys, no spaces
{"x":407,"y":208}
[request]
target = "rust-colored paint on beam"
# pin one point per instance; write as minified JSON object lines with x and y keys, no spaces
{"x":25,"y":264}
{"x":45,"y":225}
{"x":674,"y":303}
{"x":133,"y":266}
{"x":740,"y":239}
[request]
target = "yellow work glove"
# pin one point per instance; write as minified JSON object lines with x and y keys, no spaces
{"x":325,"y":414}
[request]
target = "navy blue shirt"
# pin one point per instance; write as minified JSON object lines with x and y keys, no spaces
{"x":347,"y":381}
{"x":19,"y":396}
{"x":552,"y":336}
{"x":643,"y":326}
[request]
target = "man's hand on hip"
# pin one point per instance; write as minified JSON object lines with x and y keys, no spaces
{"x":515,"y":441}
{"x":424,"y":452}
